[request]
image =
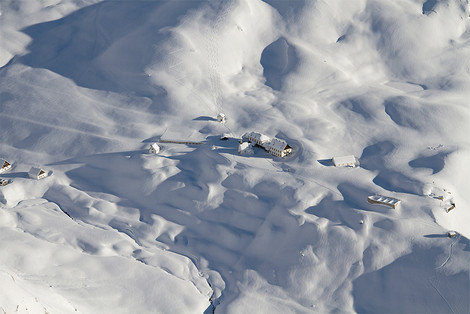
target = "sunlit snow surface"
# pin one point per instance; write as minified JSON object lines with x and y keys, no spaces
{"x":86,"y":86}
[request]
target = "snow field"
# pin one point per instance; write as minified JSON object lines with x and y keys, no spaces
{"x":117,"y":230}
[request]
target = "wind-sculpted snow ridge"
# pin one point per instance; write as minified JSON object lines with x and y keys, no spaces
{"x":87,"y":86}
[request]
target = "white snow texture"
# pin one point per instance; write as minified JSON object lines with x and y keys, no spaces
{"x":86,"y":86}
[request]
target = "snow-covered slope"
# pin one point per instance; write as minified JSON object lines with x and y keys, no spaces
{"x":87,"y":86}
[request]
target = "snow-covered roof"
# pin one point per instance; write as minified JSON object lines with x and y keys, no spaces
{"x":221,"y":117}
{"x":244,"y":145}
{"x":259,"y":136}
{"x":344,"y":160}
{"x":451,"y":234}
{"x":245,"y":148}
{"x":385,"y":200}
{"x":278,"y":144}
{"x":35,"y":171}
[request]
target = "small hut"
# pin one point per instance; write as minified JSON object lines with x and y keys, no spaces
{"x":221,"y":118}
{"x":452,"y":206}
{"x":451,"y":234}
{"x":37,"y":173}
{"x":5,"y":165}
{"x":384,"y":200}
{"x":154,"y":149}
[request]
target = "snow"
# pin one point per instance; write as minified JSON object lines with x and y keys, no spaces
{"x":245,"y":148}
{"x":87,"y":86}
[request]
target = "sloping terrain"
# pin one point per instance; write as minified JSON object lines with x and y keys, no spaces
{"x":87,"y":86}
